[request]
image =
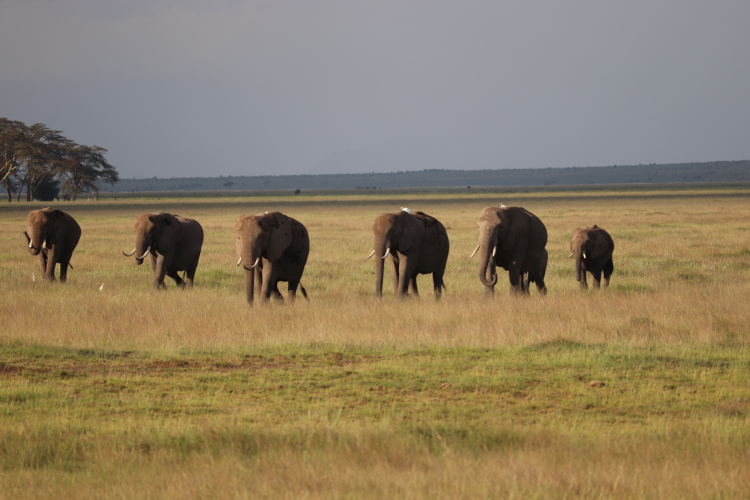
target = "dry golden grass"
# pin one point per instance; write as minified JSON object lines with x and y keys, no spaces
{"x":681,"y":269}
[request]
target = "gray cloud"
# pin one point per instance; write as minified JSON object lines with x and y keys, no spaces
{"x":202,"y":88}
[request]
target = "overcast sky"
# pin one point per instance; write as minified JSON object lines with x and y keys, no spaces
{"x":232,"y":87}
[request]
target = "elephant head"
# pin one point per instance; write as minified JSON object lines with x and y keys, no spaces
{"x":155,"y":232}
{"x":258,"y":237}
{"x":394,"y":234}
{"x":502,"y":227}
{"x":42,"y":228}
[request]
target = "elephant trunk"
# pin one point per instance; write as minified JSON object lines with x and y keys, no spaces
{"x":579,"y":261}
{"x":249,"y":284}
{"x":381,"y":249}
{"x":250,"y":258}
{"x":142,"y":247}
{"x":35,"y":241}
{"x":487,"y":252}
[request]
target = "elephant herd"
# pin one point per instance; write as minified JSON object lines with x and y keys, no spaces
{"x":272,"y":247}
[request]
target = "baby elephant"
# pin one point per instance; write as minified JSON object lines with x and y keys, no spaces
{"x":271,"y":247}
{"x":52,"y":235}
{"x":174,"y":244}
{"x":592,"y":248}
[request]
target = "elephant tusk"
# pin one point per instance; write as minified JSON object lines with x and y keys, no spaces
{"x":144,"y":255}
{"x":257,"y":261}
{"x":475,"y":252}
{"x":571,"y":254}
{"x":371,"y":254}
{"x":128,"y":254}
{"x":387,"y":252}
{"x":584,"y":255}
{"x":494,"y":251}
{"x":44,"y":244}
{"x":31,"y":244}
{"x":239,"y":262}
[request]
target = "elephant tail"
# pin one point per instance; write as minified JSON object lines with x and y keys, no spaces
{"x":304,"y":292}
{"x":70,"y":265}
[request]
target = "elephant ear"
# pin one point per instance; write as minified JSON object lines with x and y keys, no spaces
{"x":599,"y":244}
{"x":171,"y":231}
{"x":411,"y":232}
{"x":280,"y":238}
{"x":519,"y":229}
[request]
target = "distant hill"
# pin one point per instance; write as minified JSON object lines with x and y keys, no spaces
{"x":724,"y":171}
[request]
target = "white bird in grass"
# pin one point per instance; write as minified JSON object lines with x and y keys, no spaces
{"x":101,"y":287}
{"x":33,"y":277}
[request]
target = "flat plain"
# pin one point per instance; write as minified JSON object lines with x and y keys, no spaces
{"x":126,"y":392}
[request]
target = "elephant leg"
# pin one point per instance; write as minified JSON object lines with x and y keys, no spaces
{"x":258,"y":278}
{"x":63,"y":271}
{"x":176,"y":277}
{"x":596,"y":276}
{"x":249,"y":275}
{"x":268,"y":283}
{"x":584,"y":285}
{"x":51,"y":259}
{"x":516,"y":283}
{"x":394,"y":276}
{"x":608,"y":269}
{"x":437,"y":283}
{"x":536,"y":275}
{"x":190,"y":275}
{"x":42,"y":261}
{"x":413,"y":290}
{"x":525,"y":283}
{"x":405,"y":272}
{"x":541,"y":286}
{"x":291,"y":292}
{"x":160,"y":271}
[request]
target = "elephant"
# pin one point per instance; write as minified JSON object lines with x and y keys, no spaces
{"x":273,"y":247}
{"x":592,"y":248}
{"x":174,"y":244}
{"x":52,"y":235}
{"x":417,"y":244}
{"x":512,"y":238}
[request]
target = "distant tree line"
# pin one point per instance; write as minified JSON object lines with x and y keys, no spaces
{"x":720,"y":171}
{"x":46,"y":163}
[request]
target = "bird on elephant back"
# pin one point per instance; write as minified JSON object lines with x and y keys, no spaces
{"x":592,"y":248}
{"x":514,"y":239}
{"x":52,"y":235}
{"x":416,"y":244}
{"x":271,"y":247}
{"x":174,"y":244}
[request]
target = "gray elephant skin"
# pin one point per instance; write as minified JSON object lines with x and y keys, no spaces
{"x":514,"y":239}
{"x":271,"y":247}
{"x":52,"y":235}
{"x":415,"y":243}
{"x":174,"y":244}
{"x":592,"y":248}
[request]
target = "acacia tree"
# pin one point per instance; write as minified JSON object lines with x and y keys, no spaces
{"x":43,"y":154}
{"x":32,"y":155}
{"x":13,"y":141}
{"x":83,"y":167}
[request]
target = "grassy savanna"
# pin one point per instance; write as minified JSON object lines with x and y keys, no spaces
{"x":130,"y":392}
